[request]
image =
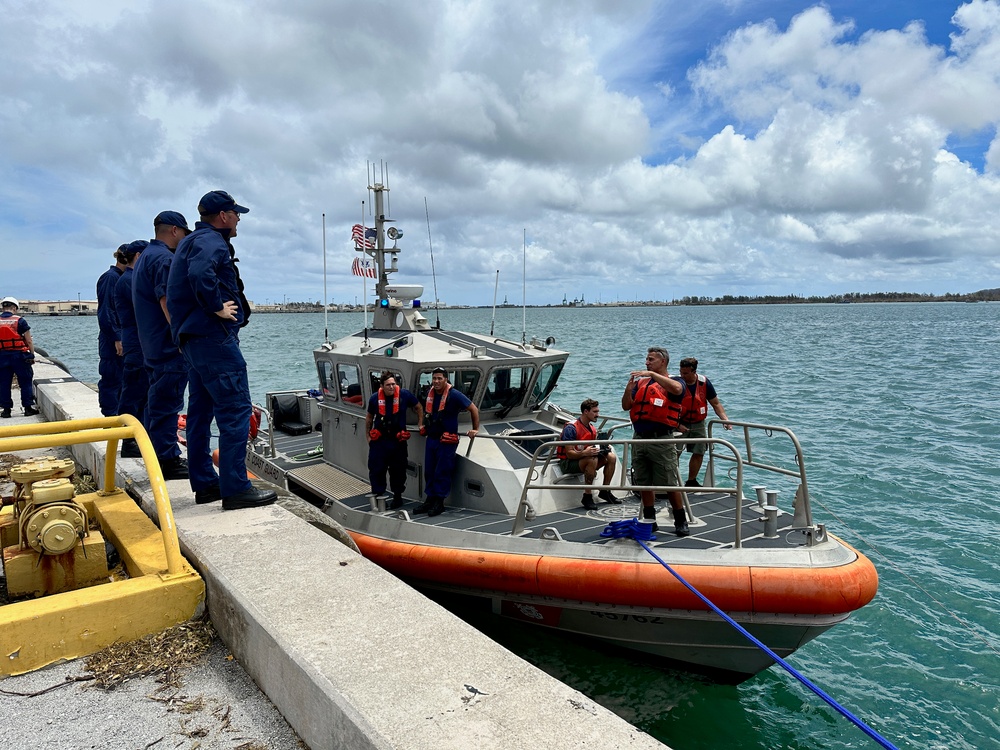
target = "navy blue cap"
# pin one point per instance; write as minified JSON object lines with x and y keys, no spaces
{"x":134,"y":248}
{"x":218,"y":201}
{"x":173,"y":219}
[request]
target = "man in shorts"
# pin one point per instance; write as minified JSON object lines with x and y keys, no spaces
{"x":699,"y":393}
{"x":587,"y":459}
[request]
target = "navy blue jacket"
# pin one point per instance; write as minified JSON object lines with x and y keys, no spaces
{"x":106,"y":320}
{"x":126,"y":315}
{"x":202,"y":277}
{"x":149,"y":284}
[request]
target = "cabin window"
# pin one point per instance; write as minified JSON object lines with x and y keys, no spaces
{"x":326,"y":380}
{"x":375,"y":378}
{"x":465,"y":381}
{"x":349,"y":383}
{"x":506,"y":387}
{"x":546,"y":382}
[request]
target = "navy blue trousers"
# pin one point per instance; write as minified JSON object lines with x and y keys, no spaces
{"x":387,"y":455}
{"x":218,"y":387}
{"x":439,"y":465}
{"x":110,"y":367}
{"x":167,"y":381}
{"x":135,"y":387}
{"x":11,"y":364}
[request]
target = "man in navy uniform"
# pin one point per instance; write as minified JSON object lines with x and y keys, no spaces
{"x":109,"y":339}
{"x":17,"y":355}
{"x":163,"y":360}
{"x":441,"y":411}
{"x":385,"y":429}
{"x":207,"y":308}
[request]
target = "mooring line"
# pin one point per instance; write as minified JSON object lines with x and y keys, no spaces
{"x":634,"y":529}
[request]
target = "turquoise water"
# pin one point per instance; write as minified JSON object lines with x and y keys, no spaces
{"x":895,"y":406}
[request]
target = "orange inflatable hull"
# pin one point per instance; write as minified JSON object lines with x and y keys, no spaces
{"x":736,"y":588}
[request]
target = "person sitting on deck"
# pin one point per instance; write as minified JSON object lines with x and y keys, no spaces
{"x":587,"y":459}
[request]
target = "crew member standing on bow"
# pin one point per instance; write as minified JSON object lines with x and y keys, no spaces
{"x":109,"y":338}
{"x":385,"y":428}
{"x":587,"y":459}
{"x":652,"y":399}
{"x":135,"y":379}
{"x":441,"y":411}
{"x":17,"y":355}
{"x":699,"y":393}
{"x":163,"y":360}
{"x":207,"y":309}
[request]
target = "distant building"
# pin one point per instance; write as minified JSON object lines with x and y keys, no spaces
{"x":60,"y":307}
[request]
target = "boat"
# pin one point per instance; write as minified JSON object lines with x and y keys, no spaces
{"x":514,"y":534}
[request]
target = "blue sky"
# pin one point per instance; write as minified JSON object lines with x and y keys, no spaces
{"x":647,"y":150}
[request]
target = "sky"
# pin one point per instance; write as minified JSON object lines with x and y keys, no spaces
{"x":597,"y":149}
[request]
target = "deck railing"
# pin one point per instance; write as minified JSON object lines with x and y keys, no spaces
{"x":719,"y":451}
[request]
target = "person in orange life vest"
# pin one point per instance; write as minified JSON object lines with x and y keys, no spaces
{"x":699,"y":393}
{"x":17,"y":355}
{"x":653,"y":398}
{"x":385,"y":430}
{"x":587,"y":459}
{"x":441,"y":411}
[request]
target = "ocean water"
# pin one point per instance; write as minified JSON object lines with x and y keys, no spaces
{"x":896,"y":406}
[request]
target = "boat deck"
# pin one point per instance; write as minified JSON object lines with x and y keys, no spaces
{"x":713,"y":526}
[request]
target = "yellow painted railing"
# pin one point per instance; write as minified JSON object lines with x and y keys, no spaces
{"x":110,"y":430}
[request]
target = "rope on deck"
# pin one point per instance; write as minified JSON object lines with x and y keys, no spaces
{"x":642,"y":532}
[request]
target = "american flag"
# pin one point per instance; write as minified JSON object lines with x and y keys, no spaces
{"x":363,"y":236}
{"x":363,"y":268}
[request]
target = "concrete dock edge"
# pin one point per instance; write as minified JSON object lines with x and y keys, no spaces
{"x":350,"y":655}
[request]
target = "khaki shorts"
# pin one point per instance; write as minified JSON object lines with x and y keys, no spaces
{"x":697,"y":430}
{"x":656,"y":464}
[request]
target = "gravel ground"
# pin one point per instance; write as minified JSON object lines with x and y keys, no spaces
{"x":216,"y":705}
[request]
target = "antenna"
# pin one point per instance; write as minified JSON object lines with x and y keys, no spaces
{"x":437,"y":304}
{"x":495,"y":285}
{"x":524,"y":296}
{"x":326,"y":307}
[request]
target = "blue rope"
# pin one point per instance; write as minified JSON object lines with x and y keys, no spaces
{"x":629,"y":528}
{"x":621,"y":529}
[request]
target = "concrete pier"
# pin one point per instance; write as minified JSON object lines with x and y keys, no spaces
{"x":350,"y":655}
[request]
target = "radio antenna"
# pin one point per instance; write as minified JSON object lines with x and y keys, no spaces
{"x":524,"y":296}
{"x":326,"y":307}
{"x":495,"y":285}
{"x":437,"y":303}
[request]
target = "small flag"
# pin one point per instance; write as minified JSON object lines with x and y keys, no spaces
{"x":363,"y":236}
{"x":363,"y":267}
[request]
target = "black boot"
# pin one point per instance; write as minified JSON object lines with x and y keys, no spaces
{"x":425,"y":506}
{"x":681,"y":522}
{"x":649,"y":513}
{"x":437,"y":507}
{"x":397,"y":502}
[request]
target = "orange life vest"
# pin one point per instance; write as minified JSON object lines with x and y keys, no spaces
{"x":694,"y":405}
{"x":652,"y":404}
{"x":583,"y":432}
{"x":383,"y":424}
{"x":10,"y":339}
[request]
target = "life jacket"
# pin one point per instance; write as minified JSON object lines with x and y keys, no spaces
{"x":434,"y":418}
{"x":583,"y":432}
{"x":10,"y":339}
{"x":652,"y":404}
{"x":386,"y":424}
{"x":694,"y":405}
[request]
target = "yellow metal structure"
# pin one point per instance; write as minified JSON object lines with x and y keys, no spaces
{"x":163,"y":589}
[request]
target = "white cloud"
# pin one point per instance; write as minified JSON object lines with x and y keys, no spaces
{"x":817,"y":155}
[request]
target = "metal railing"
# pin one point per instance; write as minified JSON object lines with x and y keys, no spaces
{"x":544,"y":455}
{"x":110,"y":430}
